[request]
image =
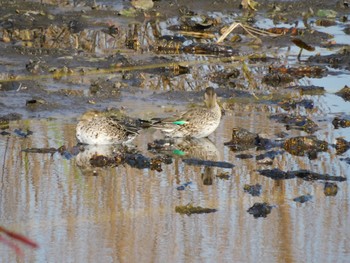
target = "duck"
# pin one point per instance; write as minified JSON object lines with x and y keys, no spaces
{"x":198,"y":122}
{"x":95,"y":128}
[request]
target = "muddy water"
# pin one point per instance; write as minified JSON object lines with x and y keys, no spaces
{"x":128,"y":215}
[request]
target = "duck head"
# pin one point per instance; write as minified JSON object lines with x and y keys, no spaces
{"x":210,"y":97}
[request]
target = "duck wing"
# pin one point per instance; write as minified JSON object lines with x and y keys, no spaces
{"x":181,"y":119}
{"x":125,"y":125}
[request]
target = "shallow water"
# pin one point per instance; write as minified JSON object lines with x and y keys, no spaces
{"x":125,"y":214}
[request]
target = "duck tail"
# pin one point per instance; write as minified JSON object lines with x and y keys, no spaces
{"x":145,"y":124}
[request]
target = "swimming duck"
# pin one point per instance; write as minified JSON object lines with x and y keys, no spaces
{"x":198,"y":122}
{"x":97,"y":129}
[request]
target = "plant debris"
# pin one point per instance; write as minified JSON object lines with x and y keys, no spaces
{"x":341,"y":146}
{"x":22,"y":134}
{"x":199,"y":162}
{"x":260,"y":210}
{"x":297,"y":122}
{"x":330,"y":189}
{"x":254,"y":190}
{"x":306,"y":175}
{"x":344,"y":93}
{"x":183,"y":186}
{"x":303,"y":198}
{"x":243,"y":139}
{"x":340,"y":123}
{"x":40,"y":150}
{"x":305,"y":145}
{"x":224,"y":176}
{"x":190,"y":209}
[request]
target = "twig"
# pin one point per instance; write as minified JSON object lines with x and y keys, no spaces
{"x":250,"y":30}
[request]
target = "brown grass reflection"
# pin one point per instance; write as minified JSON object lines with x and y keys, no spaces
{"x":128,"y":215}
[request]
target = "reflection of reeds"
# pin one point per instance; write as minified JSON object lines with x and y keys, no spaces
{"x":129,"y":213}
{"x":4,"y":163}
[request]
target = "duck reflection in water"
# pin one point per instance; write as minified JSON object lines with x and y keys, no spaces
{"x":92,"y":158}
{"x":208,"y":175}
{"x":192,"y":151}
{"x":195,"y":148}
{"x":202,"y":148}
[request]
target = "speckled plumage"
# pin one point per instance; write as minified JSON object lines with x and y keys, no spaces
{"x":199,"y":122}
{"x":94,"y":128}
